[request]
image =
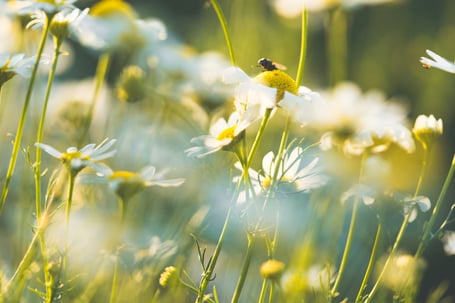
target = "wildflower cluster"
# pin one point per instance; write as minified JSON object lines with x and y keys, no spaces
{"x":217,"y":181}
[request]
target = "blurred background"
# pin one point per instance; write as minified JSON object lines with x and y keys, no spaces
{"x":375,"y":46}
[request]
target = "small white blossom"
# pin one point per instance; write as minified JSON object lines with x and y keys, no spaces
{"x":449,"y":242}
{"x":438,"y":62}
{"x":49,"y":7}
{"x":411,"y":204}
{"x":292,"y":175}
{"x":77,"y":159}
{"x":222,"y":134}
{"x":17,"y":64}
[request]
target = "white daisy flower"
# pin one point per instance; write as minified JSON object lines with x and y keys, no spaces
{"x":427,"y":128}
{"x":222,"y":134}
{"x":49,"y":7}
{"x":437,"y":62}
{"x":126,"y":184}
{"x":292,"y":175}
{"x":11,"y":65}
{"x":77,"y":159}
{"x":357,"y":122}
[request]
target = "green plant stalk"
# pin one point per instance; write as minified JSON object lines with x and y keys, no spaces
{"x":20,"y":126}
{"x":114,"y":289}
{"x":404,"y":224}
{"x":427,"y":233}
{"x":271,"y":292}
{"x":371,"y":262}
{"x":39,"y":136}
{"x":303,"y":47}
{"x":223,"y":24}
{"x":245,"y":267}
{"x":337,"y":47}
{"x":350,"y":235}
{"x":100,"y":76}
{"x":263,"y":290}
{"x":258,"y":138}
{"x":207,"y":275}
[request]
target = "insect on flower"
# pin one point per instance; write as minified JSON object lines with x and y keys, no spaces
{"x":268,"y":65}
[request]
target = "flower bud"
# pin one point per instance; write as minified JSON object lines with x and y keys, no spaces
{"x":427,"y":129}
{"x":272,"y":269}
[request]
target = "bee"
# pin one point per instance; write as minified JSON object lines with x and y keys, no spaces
{"x":268,"y":65}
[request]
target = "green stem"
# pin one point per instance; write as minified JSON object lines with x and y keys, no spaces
{"x":100,"y":76}
{"x":258,"y":138}
{"x":337,"y":48}
{"x":371,"y":262}
{"x":223,"y":23}
{"x":245,"y":267}
{"x":263,"y":290}
{"x":207,"y":275}
{"x":114,"y":281}
{"x":427,"y":233}
{"x":39,"y":136}
{"x":20,"y":126}
{"x":400,"y":234}
{"x":123,"y":204}
{"x":303,"y":47}
{"x":72,"y":179}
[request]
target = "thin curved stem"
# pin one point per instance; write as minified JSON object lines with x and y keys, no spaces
{"x":403,"y":226}
{"x":303,"y":47}
{"x":223,"y":23}
{"x":263,"y":290}
{"x":350,"y":236}
{"x":20,"y":126}
{"x":244,"y":270}
{"x":371,"y":262}
{"x":100,"y":76}
{"x":258,"y":138}
{"x":427,"y":233}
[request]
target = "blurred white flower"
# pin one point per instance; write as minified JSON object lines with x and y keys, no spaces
{"x":126,"y":184}
{"x":365,"y":193}
{"x":49,"y":7}
{"x":356,"y":122}
{"x":12,"y":65}
{"x":292,"y":175}
{"x":449,"y":242}
{"x":412,"y":204}
{"x":293,"y":8}
{"x":221,"y":134}
{"x":77,"y":159}
{"x":438,"y":62}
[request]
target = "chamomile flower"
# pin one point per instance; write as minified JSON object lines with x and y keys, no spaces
{"x":268,"y":90}
{"x":426,"y":129}
{"x":357,"y":122}
{"x":49,"y":6}
{"x":293,"y":8}
{"x":437,"y":62}
{"x":77,"y":159}
{"x":11,"y":65}
{"x":126,"y":184}
{"x":222,"y":134}
{"x":292,"y":175}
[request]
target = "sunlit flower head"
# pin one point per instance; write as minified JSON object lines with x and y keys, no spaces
{"x":11,"y":65}
{"x":272,"y":269}
{"x":357,"y":122}
{"x":449,"y":242}
{"x":114,"y":25}
{"x":292,"y":174}
{"x":48,"y":6}
{"x":268,"y":90}
{"x":77,"y":159}
{"x":126,"y":184}
{"x":437,"y":62}
{"x":222,"y":134}
{"x":426,"y":129}
{"x":293,"y":8}
{"x":403,"y":271}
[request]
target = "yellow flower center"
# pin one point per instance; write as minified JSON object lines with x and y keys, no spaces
{"x":279,"y":80}
{"x":123,"y":174}
{"x":109,"y":8}
{"x":266,"y":182}
{"x":68,"y":156}
{"x":228,"y":133}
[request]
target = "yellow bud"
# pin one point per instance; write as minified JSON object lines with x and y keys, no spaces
{"x":272,"y":269}
{"x":109,"y":8}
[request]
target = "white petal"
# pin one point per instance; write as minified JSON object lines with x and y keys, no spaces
{"x":50,"y":150}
